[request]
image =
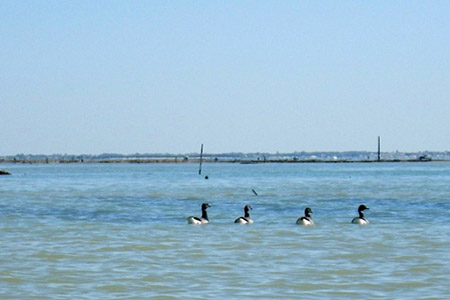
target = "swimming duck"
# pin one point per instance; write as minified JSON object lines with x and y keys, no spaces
{"x":246,"y":218}
{"x":307,"y":219}
{"x":361,"y":220}
{"x":200,"y":221}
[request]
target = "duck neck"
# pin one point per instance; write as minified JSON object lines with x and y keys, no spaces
{"x":247,"y":215}
{"x":204,"y":214}
{"x":361,"y":215}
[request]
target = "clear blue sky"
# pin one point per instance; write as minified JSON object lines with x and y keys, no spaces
{"x":89,"y":77}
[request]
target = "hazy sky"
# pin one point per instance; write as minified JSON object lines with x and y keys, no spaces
{"x":89,"y":77}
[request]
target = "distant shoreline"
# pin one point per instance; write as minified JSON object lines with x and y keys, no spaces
{"x":196,"y":161}
{"x":234,"y":157}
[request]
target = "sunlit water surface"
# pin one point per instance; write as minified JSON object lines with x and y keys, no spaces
{"x":119,"y":231}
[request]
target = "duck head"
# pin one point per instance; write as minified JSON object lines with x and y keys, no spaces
{"x":362,"y":207}
{"x":308,"y":212}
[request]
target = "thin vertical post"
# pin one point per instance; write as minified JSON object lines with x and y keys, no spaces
{"x":201,"y":160}
{"x":379,"y":149}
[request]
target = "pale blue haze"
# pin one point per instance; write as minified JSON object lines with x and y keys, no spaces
{"x":89,"y":77}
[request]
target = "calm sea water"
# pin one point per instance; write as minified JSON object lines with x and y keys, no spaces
{"x":119,"y":231}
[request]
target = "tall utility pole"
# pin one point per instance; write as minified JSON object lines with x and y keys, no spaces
{"x":379,"y":148}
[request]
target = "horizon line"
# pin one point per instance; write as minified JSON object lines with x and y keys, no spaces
{"x":222,"y":153}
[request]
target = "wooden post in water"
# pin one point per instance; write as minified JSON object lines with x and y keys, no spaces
{"x":201,"y":159}
{"x":379,"y":148}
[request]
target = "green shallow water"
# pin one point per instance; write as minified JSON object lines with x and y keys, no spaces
{"x":120,"y":232}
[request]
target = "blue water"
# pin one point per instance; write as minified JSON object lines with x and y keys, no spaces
{"x":119,"y":231}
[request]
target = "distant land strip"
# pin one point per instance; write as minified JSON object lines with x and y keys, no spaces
{"x":243,"y":158}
